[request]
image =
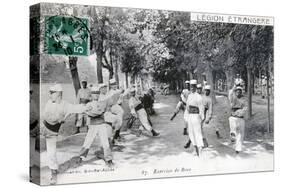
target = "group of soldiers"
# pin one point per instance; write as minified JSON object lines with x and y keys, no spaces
{"x":97,"y":107}
{"x":197,"y":106}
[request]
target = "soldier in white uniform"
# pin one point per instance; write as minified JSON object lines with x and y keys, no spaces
{"x":110,"y":118}
{"x":208,"y":110}
{"x":195,"y":107}
{"x":199,"y":89}
{"x":55,"y":112}
{"x":138,"y":111}
{"x":83,"y":97}
{"x":116,"y":96}
{"x":97,"y":126}
{"x":238,"y":106}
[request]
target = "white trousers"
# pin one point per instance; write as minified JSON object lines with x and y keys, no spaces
{"x":51,"y":146}
{"x":185,"y":118}
{"x":101,"y":131}
{"x":237,"y":126}
{"x":143,"y":119}
{"x":195,"y":130}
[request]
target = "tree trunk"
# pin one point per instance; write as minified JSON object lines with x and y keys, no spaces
{"x":249,"y":89}
{"x":229,"y":79}
{"x":99,"y":67}
{"x":126,"y":80}
{"x":74,"y":73}
{"x":116,"y":70}
{"x":210,"y":80}
{"x":253,"y":84}
{"x":268,"y":101}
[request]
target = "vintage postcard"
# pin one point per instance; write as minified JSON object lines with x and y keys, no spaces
{"x":129,"y":94}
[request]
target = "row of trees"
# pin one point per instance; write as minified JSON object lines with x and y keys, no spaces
{"x":172,"y":48}
{"x":175,"y":49}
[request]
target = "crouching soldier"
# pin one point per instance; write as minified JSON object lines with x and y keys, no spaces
{"x":236,"y":120}
{"x":138,"y":111}
{"x":97,"y":126}
{"x":55,"y":112}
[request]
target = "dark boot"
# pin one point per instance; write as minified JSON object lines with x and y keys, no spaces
{"x":187,"y":145}
{"x":185,"y":131}
{"x":154,"y":133}
{"x":218,"y":134}
{"x":109,"y":163}
{"x":205,"y":143}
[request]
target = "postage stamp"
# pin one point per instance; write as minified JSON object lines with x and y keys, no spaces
{"x":67,"y":35}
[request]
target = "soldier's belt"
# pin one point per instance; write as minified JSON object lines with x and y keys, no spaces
{"x":235,"y":109}
{"x":97,"y":120}
{"x":237,"y":116}
{"x":54,"y":128}
{"x":138,"y":107}
{"x":193,"y":110}
{"x":84,"y":101}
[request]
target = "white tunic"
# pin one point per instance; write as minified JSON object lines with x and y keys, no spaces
{"x":194,"y":120}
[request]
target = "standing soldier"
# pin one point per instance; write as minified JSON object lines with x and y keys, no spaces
{"x":83,"y":97}
{"x":110,"y":118}
{"x":55,"y":112}
{"x":236,"y":120}
{"x":208,"y":109}
{"x":97,"y":126}
{"x":117,"y":98}
{"x":138,"y":111}
{"x":199,"y":89}
{"x":194,"y":105}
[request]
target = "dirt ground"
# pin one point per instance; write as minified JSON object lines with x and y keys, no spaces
{"x":147,"y":157}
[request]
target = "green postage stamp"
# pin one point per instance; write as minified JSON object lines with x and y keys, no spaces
{"x":67,"y":35}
